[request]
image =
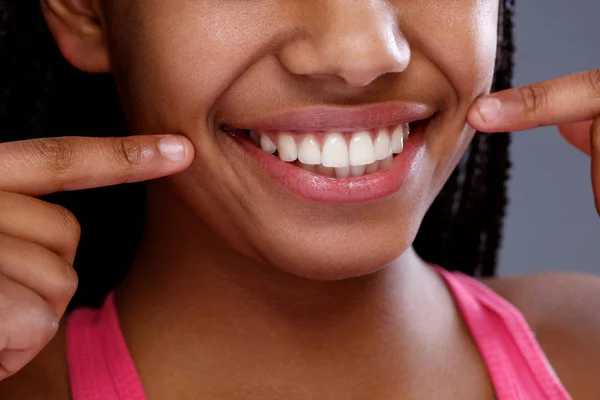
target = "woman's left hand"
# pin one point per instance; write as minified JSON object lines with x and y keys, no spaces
{"x":571,"y":102}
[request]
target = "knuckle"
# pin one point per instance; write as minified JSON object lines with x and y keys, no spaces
{"x":45,"y":322}
{"x":62,"y":284}
{"x":70,"y":282}
{"x":57,"y":155}
{"x":534,"y":97}
{"x":592,"y":80}
{"x":68,"y":224}
{"x":30,"y":317}
{"x":130,"y":151}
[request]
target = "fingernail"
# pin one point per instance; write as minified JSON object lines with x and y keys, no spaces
{"x":172,"y":149}
{"x":489,"y":108}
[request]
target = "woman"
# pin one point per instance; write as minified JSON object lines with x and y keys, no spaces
{"x":305,"y":142}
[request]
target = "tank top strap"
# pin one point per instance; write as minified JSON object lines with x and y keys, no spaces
{"x":517,"y":366}
{"x":100,"y":365}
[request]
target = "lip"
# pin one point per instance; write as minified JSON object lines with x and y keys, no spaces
{"x":308,"y":185}
{"x":339,"y":118}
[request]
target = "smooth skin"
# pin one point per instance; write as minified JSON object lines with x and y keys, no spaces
{"x":325,"y":322}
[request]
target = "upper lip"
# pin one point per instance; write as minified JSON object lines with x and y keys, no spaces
{"x":339,"y":118}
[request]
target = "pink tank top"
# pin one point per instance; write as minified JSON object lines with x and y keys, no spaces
{"x":101,"y":367}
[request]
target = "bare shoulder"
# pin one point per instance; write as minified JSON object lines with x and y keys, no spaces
{"x":563,"y":310}
{"x":45,"y":378}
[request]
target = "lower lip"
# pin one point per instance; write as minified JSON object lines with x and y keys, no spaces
{"x":325,"y":189}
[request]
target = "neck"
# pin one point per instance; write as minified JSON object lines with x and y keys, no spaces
{"x":219,"y":322}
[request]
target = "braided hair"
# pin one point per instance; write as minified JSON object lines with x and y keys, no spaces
{"x":41,"y":95}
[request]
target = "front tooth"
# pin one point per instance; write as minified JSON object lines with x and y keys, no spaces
{"x":342,"y":172}
{"x":358,"y":170}
{"x":267,"y":144}
{"x":335,"y":151}
{"x":398,"y":140}
{"x":362,"y":151}
{"x":309,"y":151}
{"x":383,"y":147}
{"x":286,"y":146}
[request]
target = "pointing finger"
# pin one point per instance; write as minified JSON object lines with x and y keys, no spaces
{"x":42,"y":166}
{"x":568,"y":99}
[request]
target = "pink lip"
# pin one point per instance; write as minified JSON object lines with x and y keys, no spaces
{"x":324,"y":189}
{"x":341,"y":119}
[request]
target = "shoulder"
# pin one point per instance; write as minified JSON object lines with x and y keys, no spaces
{"x":563,"y":311}
{"x":45,"y":378}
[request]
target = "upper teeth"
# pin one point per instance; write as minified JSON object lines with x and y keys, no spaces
{"x":335,"y":149}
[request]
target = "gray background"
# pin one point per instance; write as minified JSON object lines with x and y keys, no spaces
{"x":551,"y":222}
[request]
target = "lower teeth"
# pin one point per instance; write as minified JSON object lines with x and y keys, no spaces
{"x":346,"y":172}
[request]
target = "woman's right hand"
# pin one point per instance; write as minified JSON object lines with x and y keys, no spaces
{"x":38,"y":240}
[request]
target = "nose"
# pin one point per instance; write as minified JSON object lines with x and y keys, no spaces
{"x":355,"y":40}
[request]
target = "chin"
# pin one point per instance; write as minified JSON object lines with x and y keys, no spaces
{"x":330,"y":256}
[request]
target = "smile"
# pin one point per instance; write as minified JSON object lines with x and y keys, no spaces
{"x":335,"y":154}
{"x":370,"y":159}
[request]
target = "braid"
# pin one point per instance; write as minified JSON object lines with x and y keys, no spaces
{"x":499,"y":143}
{"x":41,"y":95}
{"x":462,"y":230}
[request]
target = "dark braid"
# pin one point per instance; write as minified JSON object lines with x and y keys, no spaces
{"x":43,"y":96}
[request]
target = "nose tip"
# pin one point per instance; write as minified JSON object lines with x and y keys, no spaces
{"x":367,"y":67}
{"x":356,"y":47}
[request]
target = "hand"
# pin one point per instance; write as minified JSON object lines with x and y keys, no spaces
{"x":571,"y":102}
{"x":38,"y":240}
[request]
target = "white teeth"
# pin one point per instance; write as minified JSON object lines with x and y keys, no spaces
{"x":358,"y":170}
{"x":309,"y":151}
{"x":361,"y":156}
{"x":406,"y":131}
{"x":374,"y":167}
{"x":286,"y":147}
{"x":267,"y":144}
{"x":383,"y":147}
{"x":342,"y":172}
{"x":398,"y":140}
{"x":361,"y":151}
{"x":335,"y":151}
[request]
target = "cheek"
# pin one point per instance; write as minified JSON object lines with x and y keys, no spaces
{"x":460,"y":38}
{"x":179,"y":60}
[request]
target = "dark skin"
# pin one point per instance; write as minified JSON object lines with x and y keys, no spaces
{"x":356,"y":304}
{"x":566,"y":330}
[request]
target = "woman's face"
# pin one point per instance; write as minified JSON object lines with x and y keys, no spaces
{"x":309,"y":75}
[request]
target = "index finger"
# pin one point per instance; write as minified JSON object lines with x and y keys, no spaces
{"x":42,"y":166}
{"x":568,"y":99}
